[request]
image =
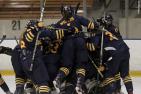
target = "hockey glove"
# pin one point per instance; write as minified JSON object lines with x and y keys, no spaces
{"x":2,"y":49}
{"x":5,"y":50}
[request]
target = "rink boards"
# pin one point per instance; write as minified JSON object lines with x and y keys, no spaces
{"x":135,"y":57}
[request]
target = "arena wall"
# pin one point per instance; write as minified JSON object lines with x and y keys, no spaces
{"x":15,"y":27}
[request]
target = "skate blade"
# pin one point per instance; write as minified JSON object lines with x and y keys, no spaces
{"x":55,"y":85}
{"x":78,"y":91}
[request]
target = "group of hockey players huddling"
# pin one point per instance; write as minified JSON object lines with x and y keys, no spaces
{"x":64,"y":58}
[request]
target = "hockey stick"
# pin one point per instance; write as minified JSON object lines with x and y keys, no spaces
{"x":52,"y":28}
{"x":16,"y":40}
{"x":34,"y":51}
{"x":3,"y":38}
{"x":77,"y":7}
{"x":101,"y":59}
{"x":101,"y":48}
{"x":42,"y":7}
{"x":95,"y":66}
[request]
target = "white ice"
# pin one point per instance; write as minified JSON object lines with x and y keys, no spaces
{"x":136,"y":83}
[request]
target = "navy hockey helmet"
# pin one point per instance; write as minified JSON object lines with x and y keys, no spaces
{"x":32,"y":23}
{"x":66,"y":11}
{"x":108,"y":19}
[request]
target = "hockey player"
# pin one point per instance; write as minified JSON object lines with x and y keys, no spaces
{"x":114,"y":47}
{"x":122,"y":65}
{"x":107,"y":22}
{"x":73,"y":50}
{"x":108,"y":82}
{"x":52,"y":57}
{"x":3,"y":85}
{"x":20,"y":75}
{"x":27,"y":43}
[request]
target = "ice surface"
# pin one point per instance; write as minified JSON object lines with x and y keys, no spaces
{"x":10,"y":80}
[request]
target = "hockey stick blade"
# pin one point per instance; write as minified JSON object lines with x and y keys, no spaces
{"x":16,"y":40}
{"x":3,"y":38}
{"x":77,"y":7}
{"x":100,"y":73}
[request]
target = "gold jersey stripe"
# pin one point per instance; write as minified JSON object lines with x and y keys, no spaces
{"x":62,"y":33}
{"x":81,"y":71}
{"x":28,"y":39}
{"x":93,"y":47}
{"x":109,"y":82}
{"x":65,"y":70}
{"x":92,"y":25}
{"x":28,"y":30}
{"x":76,"y":30}
{"x":89,"y":25}
{"x":31,"y":34}
{"x":126,"y":81}
{"x":57,"y":34}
